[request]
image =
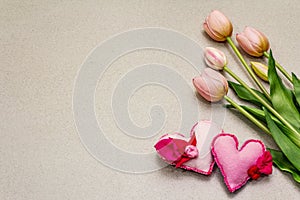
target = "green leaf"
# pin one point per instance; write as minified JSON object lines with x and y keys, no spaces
{"x":290,"y":150}
{"x":296,"y":83}
{"x":242,"y":93}
{"x":260,"y":115}
{"x":281,"y":161}
{"x":281,"y":97}
{"x":228,"y":106}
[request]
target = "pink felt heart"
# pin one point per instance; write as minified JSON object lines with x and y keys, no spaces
{"x":190,"y":153}
{"x":237,"y":165}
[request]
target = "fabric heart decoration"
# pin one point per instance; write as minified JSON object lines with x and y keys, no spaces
{"x":192,"y":153}
{"x":239,"y":165}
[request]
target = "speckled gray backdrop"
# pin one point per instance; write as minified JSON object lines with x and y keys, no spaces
{"x":43,"y":46}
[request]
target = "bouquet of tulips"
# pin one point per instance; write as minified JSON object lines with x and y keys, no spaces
{"x":275,"y":111}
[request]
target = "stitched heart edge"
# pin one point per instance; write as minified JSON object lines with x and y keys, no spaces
{"x":211,"y":166}
{"x":237,"y":145}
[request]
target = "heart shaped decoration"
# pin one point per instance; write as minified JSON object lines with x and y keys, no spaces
{"x":238,"y":166}
{"x":192,"y":153}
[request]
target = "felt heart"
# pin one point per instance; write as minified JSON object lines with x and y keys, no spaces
{"x":238,"y":166}
{"x":192,"y":153}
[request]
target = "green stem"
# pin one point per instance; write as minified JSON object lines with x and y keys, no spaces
{"x":264,"y":103}
{"x":283,"y":71}
{"x":248,"y":115}
{"x":253,"y":76}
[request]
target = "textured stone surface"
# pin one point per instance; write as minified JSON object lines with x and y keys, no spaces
{"x":44,"y":43}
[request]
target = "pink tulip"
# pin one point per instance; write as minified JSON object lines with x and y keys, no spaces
{"x":217,"y":26}
{"x":211,"y":85}
{"x":215,"y":58}
{"x":253,"y":42}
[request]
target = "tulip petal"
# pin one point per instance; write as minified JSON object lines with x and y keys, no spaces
{"x":252,"y":35}
{"x":253,"y":41}
{"x":211,"y":85}
{"x":246,"y":45}
{"x":260,"y":70}
{"x":215,"y":58}
{"x":214,"y":35}
{"x":217,"y":26}
{"x":220,"y":23}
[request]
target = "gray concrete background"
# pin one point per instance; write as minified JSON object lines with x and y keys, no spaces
{"x":43,"y":45}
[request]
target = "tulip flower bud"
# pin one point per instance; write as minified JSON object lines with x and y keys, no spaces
{"x":215,"y":58}
{"x":260,"y":70}
{"x":211,"y":85}
{"x":217,"y":26}
{"x":253,"y":42}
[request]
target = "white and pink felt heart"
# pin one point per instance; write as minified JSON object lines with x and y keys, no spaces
{"x":190,"y":153}
{"x":239,"y":165}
